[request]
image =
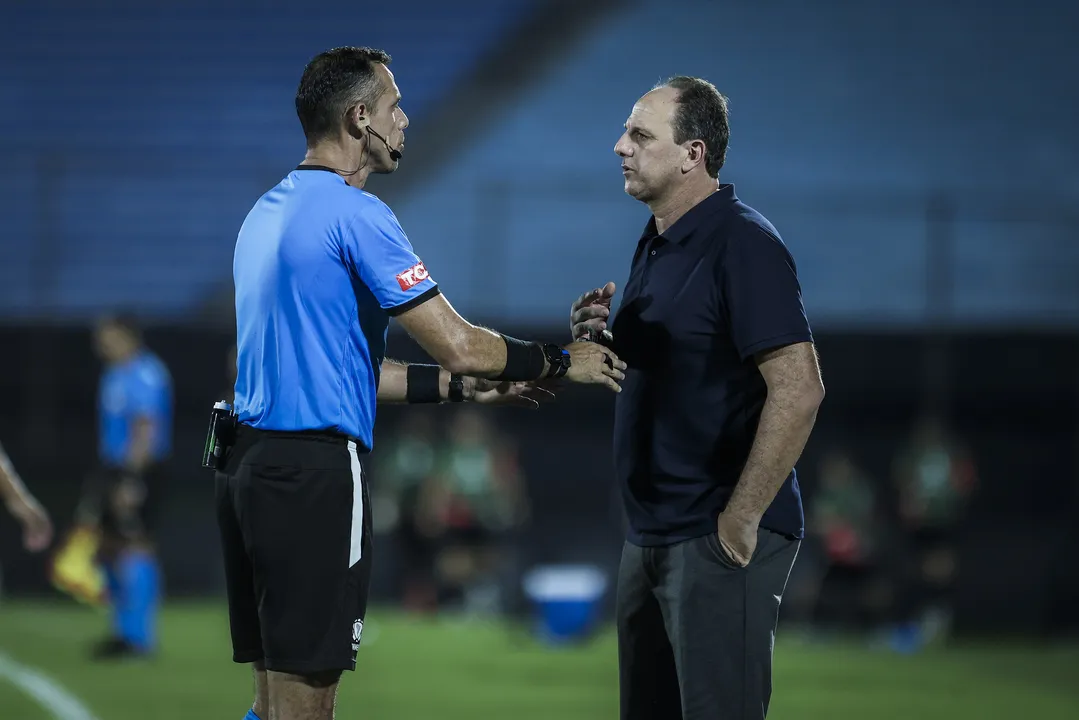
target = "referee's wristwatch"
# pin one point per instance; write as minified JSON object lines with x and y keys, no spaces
{"x":457,"y":389}
{"x":557,"y":359}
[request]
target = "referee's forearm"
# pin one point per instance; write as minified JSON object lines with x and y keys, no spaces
{"x":475,"y":351}
{"x":784,"y":428}
{"x":471,"y":350}
{"x":480,"y":352}
{"x":393,"y":383}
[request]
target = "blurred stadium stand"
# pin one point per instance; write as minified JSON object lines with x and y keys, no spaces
{"x":127,"y":178}
{"x":142,"y":136}
{"x":858,"y":132}
{"x":919,"y":158}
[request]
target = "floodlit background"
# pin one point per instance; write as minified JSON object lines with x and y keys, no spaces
{"x":920,"y":159}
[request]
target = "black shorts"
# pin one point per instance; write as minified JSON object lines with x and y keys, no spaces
{"x":120,"y":524}
{"x":293,"y":509}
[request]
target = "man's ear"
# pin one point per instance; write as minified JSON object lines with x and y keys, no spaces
{"x":695,"y":155}
{"x":357,"y":120}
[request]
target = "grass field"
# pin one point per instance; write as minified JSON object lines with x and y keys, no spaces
{"x":412,"y":669}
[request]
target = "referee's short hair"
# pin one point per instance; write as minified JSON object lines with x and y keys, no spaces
{"x":702,"y":115}
{"x":333,"y":82}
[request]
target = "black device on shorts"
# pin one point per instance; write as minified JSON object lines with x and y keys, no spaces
{"x":220,"y":436}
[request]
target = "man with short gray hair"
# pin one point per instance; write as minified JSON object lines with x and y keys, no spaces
{"x":719,"y":399}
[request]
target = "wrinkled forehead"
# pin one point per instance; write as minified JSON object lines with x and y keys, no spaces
{"x":653,"y":112}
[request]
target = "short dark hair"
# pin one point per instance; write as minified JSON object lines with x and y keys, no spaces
{"x":702,"y":115}
{"x":334,"y":81}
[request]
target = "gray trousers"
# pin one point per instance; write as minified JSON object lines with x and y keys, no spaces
{"x":696,"y":631}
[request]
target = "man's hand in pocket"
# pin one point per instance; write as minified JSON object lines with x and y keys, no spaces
{"x":737,"y":536}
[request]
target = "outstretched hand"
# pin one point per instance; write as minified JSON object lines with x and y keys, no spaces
{"x":595,"y":364}
{"x":519,"y":394}
{"x":588,"y":316}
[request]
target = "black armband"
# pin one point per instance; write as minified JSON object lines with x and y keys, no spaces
{"x":524,"y":361}
{"x":421,"y":384}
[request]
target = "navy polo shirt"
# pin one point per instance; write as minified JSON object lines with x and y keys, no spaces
{"x":320,"y":266}
{"x":702,"y":300}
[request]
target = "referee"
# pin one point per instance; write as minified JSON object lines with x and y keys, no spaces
{"x":720,"y":398}
{"x":320,"y":266}
{"x":125,"y":495}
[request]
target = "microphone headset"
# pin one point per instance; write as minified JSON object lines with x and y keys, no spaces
{"x":395,"y":154}
{"x":356,"y":130}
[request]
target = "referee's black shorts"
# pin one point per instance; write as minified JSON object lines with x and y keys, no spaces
{"x":293,"y":511}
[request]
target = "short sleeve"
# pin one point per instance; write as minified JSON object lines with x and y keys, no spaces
{"x":378,"y":252}
{"x":761,"y":294}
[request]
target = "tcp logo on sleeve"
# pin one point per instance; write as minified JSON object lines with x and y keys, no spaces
{"x":413,"y":276}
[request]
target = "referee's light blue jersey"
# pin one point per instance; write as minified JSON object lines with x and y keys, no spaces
{"x":319,"y":269}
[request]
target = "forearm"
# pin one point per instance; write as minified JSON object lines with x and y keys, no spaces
{"x":467,"y":349}
{"x":11,"y":488}
{"x":393,"y":384}
{"x":479,"y":352}
{"x":785,"y":425}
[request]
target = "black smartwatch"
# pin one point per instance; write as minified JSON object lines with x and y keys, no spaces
{"x":557,"y":358}
{"x":457,"y":389}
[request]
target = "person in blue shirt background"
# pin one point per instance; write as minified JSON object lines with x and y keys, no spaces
{"x":135,"y":428}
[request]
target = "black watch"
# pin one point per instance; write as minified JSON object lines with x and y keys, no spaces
{"x":557,"y":359}
{"x":457,"y":389}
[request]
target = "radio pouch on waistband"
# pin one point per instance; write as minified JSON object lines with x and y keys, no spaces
{"x":220,"y":436}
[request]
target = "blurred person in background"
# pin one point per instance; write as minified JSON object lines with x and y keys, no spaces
{"x":853,"y":591}
{"x":24,"y":507}
{"x":135,"y":407}
{"x":934,"y":476}
{"x":719,"y":400}
{"x":473,"y":503}
{"x":405,"y":465}
{"x":320,"y":266}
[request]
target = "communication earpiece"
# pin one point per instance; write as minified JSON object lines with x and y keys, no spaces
{"x":357,"y":127}
{"x":362,"y":124}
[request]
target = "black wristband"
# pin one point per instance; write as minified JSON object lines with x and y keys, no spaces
{"x":422,"y":384}
{"x":524,"y":361}
{"x":457,"y":389}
